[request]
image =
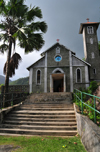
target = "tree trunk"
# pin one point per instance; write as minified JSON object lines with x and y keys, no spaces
{"x":7,"y":67}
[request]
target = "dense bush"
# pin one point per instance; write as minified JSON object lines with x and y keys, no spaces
{"x":93,"y":86}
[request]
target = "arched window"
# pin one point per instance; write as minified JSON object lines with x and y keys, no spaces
{"x":92,"y":55}
{"x":78,"y":75}
{"x":38,"y":77}
{"x":94,"y":71}
{"x":57,"y":50}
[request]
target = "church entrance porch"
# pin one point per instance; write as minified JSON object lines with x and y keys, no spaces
{"x":57,"y":82}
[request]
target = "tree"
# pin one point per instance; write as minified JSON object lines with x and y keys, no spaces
{"x":18,"y":24}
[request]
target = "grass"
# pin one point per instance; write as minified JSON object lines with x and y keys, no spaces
{"x":44,"y":144}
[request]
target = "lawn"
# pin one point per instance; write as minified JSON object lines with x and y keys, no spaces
{"x":43,"y":144}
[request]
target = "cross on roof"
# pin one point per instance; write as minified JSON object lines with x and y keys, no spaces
{"x":57,"y":40}
{"x":87,"y":19}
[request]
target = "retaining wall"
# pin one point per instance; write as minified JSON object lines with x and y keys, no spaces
{"x":89,"y":132}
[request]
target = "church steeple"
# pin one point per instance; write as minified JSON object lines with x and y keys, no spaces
{"x":91,"y":51}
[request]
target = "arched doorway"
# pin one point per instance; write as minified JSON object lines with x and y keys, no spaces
{"x":57,"y":81}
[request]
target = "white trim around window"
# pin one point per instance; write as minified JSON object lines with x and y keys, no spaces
{"x":80,"y":79}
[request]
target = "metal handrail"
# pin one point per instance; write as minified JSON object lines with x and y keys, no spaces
{"x":76,"y":93}
{"x":13,"y":97}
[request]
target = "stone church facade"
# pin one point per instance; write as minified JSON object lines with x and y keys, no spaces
{"x":60,"y":70}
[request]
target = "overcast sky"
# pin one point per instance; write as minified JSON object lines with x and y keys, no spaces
{"x":63,"y":18}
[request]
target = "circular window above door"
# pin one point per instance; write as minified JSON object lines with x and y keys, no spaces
{"x":58,"y":58}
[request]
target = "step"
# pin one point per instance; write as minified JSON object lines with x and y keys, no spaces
{"x":39,"y":132}
{"x":44,"y":109}
{"x":40,"y":116}
{"x":44,"y":112}
{"x":40,"y":123}
{"x":42,"y":119}
{"x":40,"y":127}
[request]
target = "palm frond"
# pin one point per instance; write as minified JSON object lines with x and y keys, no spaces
{"x":3,"y":47}
{"x":3,"y":9}
{"x":13,"y":64}
{"x":17,"y":8}
{"x":34,"y":12}
{"x":37,"y":26}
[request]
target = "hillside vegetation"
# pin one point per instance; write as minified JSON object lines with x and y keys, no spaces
{"x":21,"y":81}
{"x":2,"y":79}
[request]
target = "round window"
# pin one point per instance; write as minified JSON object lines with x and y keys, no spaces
{"x":58,"y":58}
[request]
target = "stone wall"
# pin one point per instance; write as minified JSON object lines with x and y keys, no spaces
{"x":89,"y":132}
{"x":16,"y":89}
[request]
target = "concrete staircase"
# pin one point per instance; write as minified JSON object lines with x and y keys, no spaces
{"x":41,"y":118}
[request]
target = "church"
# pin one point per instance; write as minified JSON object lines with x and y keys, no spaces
{"x":60,"y":70}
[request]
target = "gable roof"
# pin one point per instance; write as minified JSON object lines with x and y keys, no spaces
{"x":34,"y":63}
{"x":57,"y":44}
{"x":82,"y":60}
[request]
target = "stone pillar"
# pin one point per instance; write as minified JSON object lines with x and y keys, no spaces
{"x":64,"y":83}
{"x":86,"y":76}
{"x":71,"y":72}
{"x":45,"y":74}
{"x":51,"y":84}
{"x":84,"y":43}
{"x":30,"y":80}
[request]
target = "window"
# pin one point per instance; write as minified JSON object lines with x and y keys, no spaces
{"x":90,"y":30}
{"x":78,"y":75}
{"x":38,"y":77}
{"x":92,"y":55}
{"x":94,"y":71}
{"x":57,"y":50}
{"x":91,"y":40}
{"x":58,"y":58}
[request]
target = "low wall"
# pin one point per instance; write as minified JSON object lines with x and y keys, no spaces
{"x":4,"y":111}
{"x":89,"y":132}
{"x":16,"y":88}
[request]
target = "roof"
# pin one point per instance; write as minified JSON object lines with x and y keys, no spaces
{"x":88,"y":23}
{"x":43,"y":54}
{"x":82,"y":60}
{"x":58,"y":44}
{"x":34,"y":63}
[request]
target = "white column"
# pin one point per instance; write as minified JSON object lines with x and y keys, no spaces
{"x":64,"y":83}
{"x":51,"y":84}
{"x":45,"y":74}
{"x":71,"y":72}
{"x":86,"y":76}
{"x":30,"y":80}
{"x":84,"y":43}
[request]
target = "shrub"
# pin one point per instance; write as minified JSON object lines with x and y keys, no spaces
{"x":93,"y":86}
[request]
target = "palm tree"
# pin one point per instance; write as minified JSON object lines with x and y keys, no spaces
{"x":18,"y":24}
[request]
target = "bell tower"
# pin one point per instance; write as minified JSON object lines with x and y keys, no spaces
{"x":91,"y":50}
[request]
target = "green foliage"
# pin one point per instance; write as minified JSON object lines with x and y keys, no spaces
{"x":21,"y":81}
{"x":88,"y":100}
{"x":1,"y":86}
{"x":93,"y":86}
{"x":18,"y":25}
{"x":83,"y":59}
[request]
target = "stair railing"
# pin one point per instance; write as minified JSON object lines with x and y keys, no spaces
{"x":79,"y":99}
{"x":10,"y":99}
